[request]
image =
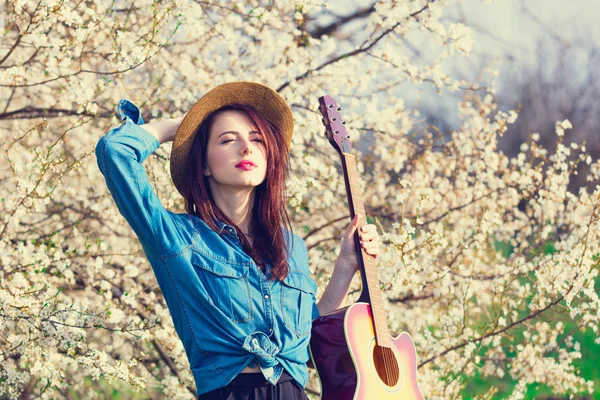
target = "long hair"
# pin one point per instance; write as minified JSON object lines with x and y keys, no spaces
{"x":269,"y":215}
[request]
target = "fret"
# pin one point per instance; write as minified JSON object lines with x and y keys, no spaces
{"x":353,"y":176}
{"x":381,"y":321}
{"x":370,"y":284}
{"x":371,"y":274}
{"x":362,"y":214}
{"x":372,"y":280}
{"x":353,"y":179}
{"x":354,"y":182}
{"x":380,"y":314}
{"x":359,"y":208}
{"x":358,"y":196}
{"x":375,"y":299}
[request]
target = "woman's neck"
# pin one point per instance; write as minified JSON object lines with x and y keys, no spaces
{"x":237,"y":205}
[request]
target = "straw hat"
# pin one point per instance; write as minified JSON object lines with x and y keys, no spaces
{"x":262,"y":98}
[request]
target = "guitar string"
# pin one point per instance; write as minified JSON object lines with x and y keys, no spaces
{"x":386,"y":362}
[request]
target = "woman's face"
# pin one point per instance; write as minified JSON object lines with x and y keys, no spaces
{"x":233,"y":137}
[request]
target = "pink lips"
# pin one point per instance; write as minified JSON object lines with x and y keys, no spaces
{"x":246,"y":165}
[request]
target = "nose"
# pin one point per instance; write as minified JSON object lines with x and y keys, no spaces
{"x":245,"y":147}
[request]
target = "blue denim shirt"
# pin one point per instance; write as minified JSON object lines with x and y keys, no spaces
{"x":225,"y":311}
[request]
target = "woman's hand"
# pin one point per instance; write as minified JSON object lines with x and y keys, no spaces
{"x":165,"y":129}
{"x":369,"y":241}
{"x":347,"y":264}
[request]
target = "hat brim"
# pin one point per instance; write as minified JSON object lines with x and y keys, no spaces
{"x":262,"y":98}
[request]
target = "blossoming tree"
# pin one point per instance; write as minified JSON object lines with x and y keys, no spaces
{"x":487,"y":259}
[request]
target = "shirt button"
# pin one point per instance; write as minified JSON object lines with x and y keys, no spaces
{"x":266,"y":296}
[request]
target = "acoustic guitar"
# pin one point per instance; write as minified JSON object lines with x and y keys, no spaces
{"x":351,"y":348}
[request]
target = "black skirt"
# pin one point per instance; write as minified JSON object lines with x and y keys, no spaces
{"x":254,"y":386}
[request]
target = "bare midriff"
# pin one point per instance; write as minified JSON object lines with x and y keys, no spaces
{"x":248,"y":369}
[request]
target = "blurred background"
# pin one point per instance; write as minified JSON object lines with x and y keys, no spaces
{"x":546,"y":53}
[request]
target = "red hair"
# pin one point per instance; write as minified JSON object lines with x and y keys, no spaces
{"x":270,"y":213}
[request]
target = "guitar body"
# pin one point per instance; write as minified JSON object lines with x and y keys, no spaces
{"x":343,"y":351}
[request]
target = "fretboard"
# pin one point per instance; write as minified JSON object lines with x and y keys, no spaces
{"x":366,"y":262}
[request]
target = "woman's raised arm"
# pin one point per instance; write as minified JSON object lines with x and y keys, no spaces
{"x":163,"y":130}
{"x":120,"y":154}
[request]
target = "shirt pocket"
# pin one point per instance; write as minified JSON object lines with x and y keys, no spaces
{"x":227,"y":285}
{"x":297,"y":299}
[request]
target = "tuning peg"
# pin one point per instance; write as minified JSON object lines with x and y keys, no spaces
{"x":343,"y":122}
{"x":339,"y":108}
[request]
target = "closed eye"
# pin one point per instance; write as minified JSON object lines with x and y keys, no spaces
{"x":231,"y":140}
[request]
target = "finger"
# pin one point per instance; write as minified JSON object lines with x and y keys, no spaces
{"x":353,"y":225}
{"x":368,"y":228}
{"x":372,"y":252}
{"x":373,"y":244}
{"x":368,"y":237}
{"x":370,"y":246}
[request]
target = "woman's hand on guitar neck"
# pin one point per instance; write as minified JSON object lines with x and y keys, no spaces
{"x":369,"y":242}
{"x":347,"y":264}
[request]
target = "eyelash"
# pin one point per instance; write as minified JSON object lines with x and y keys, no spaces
{"x":231,"y":140}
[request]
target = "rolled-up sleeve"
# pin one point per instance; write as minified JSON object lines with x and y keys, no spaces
{"x":120,"y":154}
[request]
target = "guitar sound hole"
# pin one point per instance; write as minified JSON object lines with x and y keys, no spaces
{"x":386,"y":365}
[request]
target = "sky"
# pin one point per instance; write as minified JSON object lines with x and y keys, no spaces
{"x":507,"y":34}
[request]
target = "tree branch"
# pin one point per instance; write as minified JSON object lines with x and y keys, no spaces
{"x":361,"y":49}
{"x":328,"y":29}
{"x":36,"y":112}
{"x":487,"y":335}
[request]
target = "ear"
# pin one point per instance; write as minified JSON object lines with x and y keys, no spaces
{"x":207,"y":172}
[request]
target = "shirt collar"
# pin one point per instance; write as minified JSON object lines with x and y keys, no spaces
{"x":223,"y":226}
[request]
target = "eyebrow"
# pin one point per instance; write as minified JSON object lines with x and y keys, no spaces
{"x":237,"y":133}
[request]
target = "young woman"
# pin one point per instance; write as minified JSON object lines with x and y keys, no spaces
{"x":234,"y":276}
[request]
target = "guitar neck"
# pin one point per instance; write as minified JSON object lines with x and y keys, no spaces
{"x":366,"y":263}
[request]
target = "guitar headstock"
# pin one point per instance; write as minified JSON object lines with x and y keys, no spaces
{"x":335,"y":128}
